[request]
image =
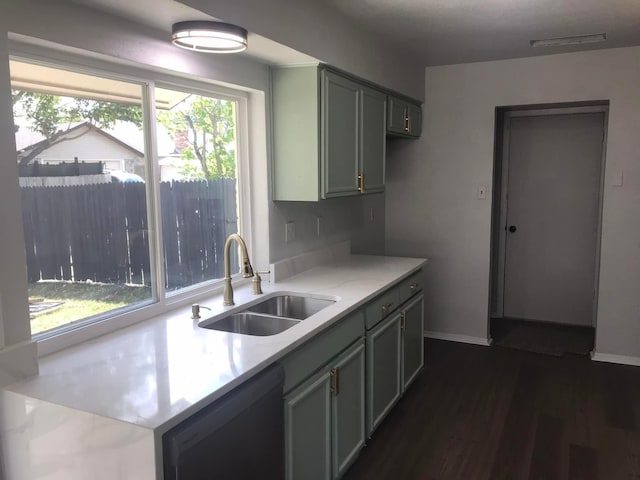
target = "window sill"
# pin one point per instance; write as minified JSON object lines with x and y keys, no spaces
{"x":54,"y":342}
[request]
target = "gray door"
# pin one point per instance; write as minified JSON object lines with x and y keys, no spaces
{"x":373,"y":140}
{"x":348,"y":402}
{"x":384,"y":356}
{"x":307,"y":418}
{"x":412,"y":340}
{"x":554,"y":169}
{"x":340,"y":145}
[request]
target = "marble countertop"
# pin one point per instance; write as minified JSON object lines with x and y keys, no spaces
{"x":157,"y":372}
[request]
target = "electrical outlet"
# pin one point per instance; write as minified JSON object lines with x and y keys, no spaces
{"x":482,"y":193}
{"x":289,"y":232}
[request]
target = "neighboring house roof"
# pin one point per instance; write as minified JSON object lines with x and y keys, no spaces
{"x":73,"y":134}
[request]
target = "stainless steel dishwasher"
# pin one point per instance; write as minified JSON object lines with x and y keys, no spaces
{"x":238,"y":437}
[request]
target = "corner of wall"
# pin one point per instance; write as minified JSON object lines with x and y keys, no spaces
{"x":18,"y":362}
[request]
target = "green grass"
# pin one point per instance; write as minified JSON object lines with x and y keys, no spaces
{"x":80,"y":300}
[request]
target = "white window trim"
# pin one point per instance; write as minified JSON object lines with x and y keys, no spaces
{"x":53,"y":341}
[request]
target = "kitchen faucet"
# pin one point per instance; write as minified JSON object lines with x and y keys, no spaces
{"x":247,"y":269}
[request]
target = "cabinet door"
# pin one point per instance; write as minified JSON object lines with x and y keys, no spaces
{"x":373,"y":136}
{"x":308,"y":430}
{"x":383,"y":370}
{"x":348,"y":408}
{"x":340,"y":141}
{"x":412,"y":340}
{"x":415,"y":120}
{"x":396,"y":116}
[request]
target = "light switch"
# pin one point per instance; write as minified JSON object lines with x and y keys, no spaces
{"x":617,"y":178}
{"x":482,"y":193}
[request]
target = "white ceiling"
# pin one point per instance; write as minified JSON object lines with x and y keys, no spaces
{"x":438,"y":31}
{"x":460,"y":31}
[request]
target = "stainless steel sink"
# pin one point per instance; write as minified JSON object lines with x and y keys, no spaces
{"x":291,"y":306}
{"x":270,"y":316}
{"x":251,"y":324}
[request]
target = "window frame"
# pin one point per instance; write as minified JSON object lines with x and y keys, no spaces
{"x":148,"y":78}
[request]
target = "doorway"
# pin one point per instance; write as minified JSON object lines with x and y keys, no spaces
{"x":546,"y":214}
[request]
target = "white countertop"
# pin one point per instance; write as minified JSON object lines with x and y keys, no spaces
{"x":157,"y":372}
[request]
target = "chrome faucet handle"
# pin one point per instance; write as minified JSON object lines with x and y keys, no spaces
{"x":195,"y":310}
{"x":257,"y":282}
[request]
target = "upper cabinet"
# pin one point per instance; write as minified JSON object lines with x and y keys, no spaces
{"x":404,"y":118}
{"x":328,"y":135}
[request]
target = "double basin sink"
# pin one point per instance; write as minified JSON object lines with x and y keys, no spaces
{"x":271,"y":316}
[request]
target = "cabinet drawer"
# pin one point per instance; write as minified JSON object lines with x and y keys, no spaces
{"x":410,"y":286}
{"x":382,"y":306}
{"x":316,"y":353}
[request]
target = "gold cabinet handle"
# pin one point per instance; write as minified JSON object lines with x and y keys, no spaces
{"x":387,"y":307}
{"x":406,"y":122}
{"x":361,"y":182}
{"x":335,"y":381}
{"x":403,"y":321}
{"x":409,"y":124}
{"x":413,"y":287}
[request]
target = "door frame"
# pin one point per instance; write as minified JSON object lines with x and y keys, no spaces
{"x":504,"y":184}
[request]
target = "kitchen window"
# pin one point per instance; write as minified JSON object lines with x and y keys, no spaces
{"x":129,"y":189}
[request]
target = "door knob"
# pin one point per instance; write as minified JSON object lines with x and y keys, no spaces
{"x":512,"y":228}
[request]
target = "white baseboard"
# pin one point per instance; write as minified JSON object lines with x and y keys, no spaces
{"x":452,"y":337}
{"x":610,"y":358}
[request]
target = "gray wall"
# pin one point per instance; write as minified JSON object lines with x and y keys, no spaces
{"x":314,"y":28}
{"x":434,"y":182}
{"x":360,"y":219}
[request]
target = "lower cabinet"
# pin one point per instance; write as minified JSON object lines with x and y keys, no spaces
{"x":412,"y":340}
{"x":340,"y":385}
{"x":395,"y":355}
{"x":325,"y":419}
{"x":384,"y":369}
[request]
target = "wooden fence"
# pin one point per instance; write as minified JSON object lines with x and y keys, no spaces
{"x":100,"y":232}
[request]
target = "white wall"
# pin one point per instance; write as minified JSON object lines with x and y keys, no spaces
{"x":315,"y":28}
{"x":90,"y":145}
{"x":434,"y":182}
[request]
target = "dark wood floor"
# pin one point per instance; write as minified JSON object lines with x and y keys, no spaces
{"x":497,"y":413}
{"x":542,"y":337}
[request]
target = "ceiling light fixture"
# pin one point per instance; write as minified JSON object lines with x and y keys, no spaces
{"x":211,"y":37}
{"x":575,"y":40}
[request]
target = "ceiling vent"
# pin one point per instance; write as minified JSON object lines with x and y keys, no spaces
{"x":575,"y":40}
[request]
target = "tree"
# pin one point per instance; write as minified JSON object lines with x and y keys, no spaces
{"x":207,"y":126}
{"x":52,"y":116}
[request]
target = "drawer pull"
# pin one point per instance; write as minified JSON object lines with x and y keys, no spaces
{"x":335,"y":381}
{"x":403,"y":321}
{"x":387,"y":307}
{"x":413,"y":287}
